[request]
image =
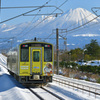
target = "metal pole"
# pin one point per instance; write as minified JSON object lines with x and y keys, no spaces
{"x":0,"y":9}
{"x":57,"y":50}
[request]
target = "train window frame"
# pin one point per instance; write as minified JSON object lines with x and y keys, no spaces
{"x":26,"y":54}
{"x":34,"y":57}
{"x":50,"y":54}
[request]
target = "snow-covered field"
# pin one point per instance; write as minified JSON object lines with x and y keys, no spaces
{"x":10,"y":89}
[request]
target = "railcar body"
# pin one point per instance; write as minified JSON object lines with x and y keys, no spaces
{"x":31,"y":62}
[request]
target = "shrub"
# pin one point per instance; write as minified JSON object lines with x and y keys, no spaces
{"x":98,"y":80}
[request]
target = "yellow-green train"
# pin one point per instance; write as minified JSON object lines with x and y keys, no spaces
{"x":31,"y":62}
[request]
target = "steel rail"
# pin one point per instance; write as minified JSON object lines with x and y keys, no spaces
{"x":3,"y":65}
{"x":36,"y":94}
{"x":55,"y":95}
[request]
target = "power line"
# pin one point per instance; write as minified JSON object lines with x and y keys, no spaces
{"x":22,"y":7}
{"x":50,"y":6}
{"x":35,"y":16}
{"x":77,"y":27}
{"x":36,"y":9}
{"x":48,"y":16}
{"x":23,"y":14}
{"x":95,"y":12}
{"x":31,"y":21}
{"x":27,"y":25}
{"x":0,"y":9}
{"x":42,"y":14}
{"x":40,"y":7}
{"x":20,"y":15}
{"x":84,"y":27}
{"x":79,"y":21}
{"x":45,"y":18}
{"x":81,"y":25}
{"x":55,"y":10}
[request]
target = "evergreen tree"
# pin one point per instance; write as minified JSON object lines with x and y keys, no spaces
{"x":93,"y":49}
{"x":76,"y":54}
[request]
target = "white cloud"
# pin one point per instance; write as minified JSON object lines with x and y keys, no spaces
{"x":19,"y":40}
{"x":3,"y":26}
{"x":86,"y":35}
{"x":68,"y":44}
{"x":71,"y":44}
{"x":9,"y":29}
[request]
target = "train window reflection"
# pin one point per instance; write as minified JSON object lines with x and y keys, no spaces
{"x":36,"y":56}
{"x":47,"y":54}
{"x":24,"y":54}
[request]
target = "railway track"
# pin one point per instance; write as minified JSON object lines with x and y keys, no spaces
{"x":44,"y":94}
{"x":88,"y":88}
{"x":4,"y":65}
{"x":57,"y":96}
{"x":35,"y":93}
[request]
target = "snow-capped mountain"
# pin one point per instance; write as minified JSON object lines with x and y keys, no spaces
{"x":71,"y":21}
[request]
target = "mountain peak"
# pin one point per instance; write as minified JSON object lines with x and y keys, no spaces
{"x":78,"y":16}
{"x":79,"y":9}
{"x":81,"y":14}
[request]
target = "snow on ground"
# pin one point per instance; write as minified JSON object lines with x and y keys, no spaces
{"x":3,"y":59}
{"x":87,"y":83}
{"x":10,"y":89}
{"x":70,"y":93}
{"x":64,"y":92}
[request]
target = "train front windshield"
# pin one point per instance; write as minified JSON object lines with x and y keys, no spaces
{"x":25,"y":54}
{"x":25,"y":51}
{"x":47,"y":54}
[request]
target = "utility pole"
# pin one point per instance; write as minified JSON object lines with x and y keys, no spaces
{"x":57,"y":50}
{"x":65,"y":43}
{"x":57,"y":45}
{"x":0,"y":10}
{"x":0,"y":4}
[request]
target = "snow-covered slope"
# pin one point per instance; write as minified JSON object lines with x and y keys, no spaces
{"x":69,"y":20}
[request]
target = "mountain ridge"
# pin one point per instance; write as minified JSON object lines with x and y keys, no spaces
{"x":71,"y":19}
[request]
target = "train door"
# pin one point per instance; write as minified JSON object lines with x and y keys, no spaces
{"x":36,"y":60}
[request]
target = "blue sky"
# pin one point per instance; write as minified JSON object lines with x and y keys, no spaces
{"x":71,"y":4}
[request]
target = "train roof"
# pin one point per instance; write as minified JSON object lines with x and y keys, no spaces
{"x":32,"y":41}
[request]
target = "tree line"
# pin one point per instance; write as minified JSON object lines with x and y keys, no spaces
{"x":91,"y":51}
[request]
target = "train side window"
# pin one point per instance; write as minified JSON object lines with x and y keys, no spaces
{"x":36,"y":56}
